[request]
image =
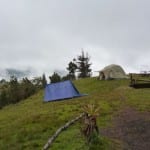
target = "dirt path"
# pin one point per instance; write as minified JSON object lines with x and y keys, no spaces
{"x":132,"y":128}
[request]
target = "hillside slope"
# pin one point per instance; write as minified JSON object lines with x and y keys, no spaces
{"x":29,"y":124}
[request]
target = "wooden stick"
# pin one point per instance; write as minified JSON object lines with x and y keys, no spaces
{"x":51,"y":139}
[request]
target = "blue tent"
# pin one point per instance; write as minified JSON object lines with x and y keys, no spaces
{"x":60,"y":90}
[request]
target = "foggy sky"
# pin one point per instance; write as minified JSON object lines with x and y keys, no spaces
{"x":46,"y":34}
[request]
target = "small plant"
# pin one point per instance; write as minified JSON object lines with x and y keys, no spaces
{"x":90,"y":125}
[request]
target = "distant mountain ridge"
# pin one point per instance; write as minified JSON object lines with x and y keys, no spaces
{"x":8,"y":72}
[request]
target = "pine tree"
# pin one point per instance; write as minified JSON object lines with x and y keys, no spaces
{"x":55,"y":78}
{"x":27,"y":88}
{"x":72,"y":67}
{"x":44,"y":81}
{"x":14,"y":89}
{"x":84,"y":65}
{"x":3,"y":98}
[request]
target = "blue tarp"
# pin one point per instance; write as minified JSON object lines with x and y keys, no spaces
{"x":60,"y":90}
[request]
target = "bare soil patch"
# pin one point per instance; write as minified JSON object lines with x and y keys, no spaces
{"x":132,"y":128}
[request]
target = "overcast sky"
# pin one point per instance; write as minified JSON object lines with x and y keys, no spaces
{"x":46,"y":34}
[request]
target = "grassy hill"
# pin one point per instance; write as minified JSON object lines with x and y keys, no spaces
{"x":29,"y":124}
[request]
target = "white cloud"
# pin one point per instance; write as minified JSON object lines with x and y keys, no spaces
{"x":46,"y":35}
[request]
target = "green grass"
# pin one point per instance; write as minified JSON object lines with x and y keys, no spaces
{"x":28,"y":124}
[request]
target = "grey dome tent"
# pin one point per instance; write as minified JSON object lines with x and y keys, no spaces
{"x":112,"y":72}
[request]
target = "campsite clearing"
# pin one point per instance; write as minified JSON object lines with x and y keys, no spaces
{"x":29,"y":124}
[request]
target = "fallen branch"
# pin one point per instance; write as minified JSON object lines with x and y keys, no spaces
{"x":48,"y":144}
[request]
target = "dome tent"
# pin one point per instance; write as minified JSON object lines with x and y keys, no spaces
{"x":112,"y":72}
